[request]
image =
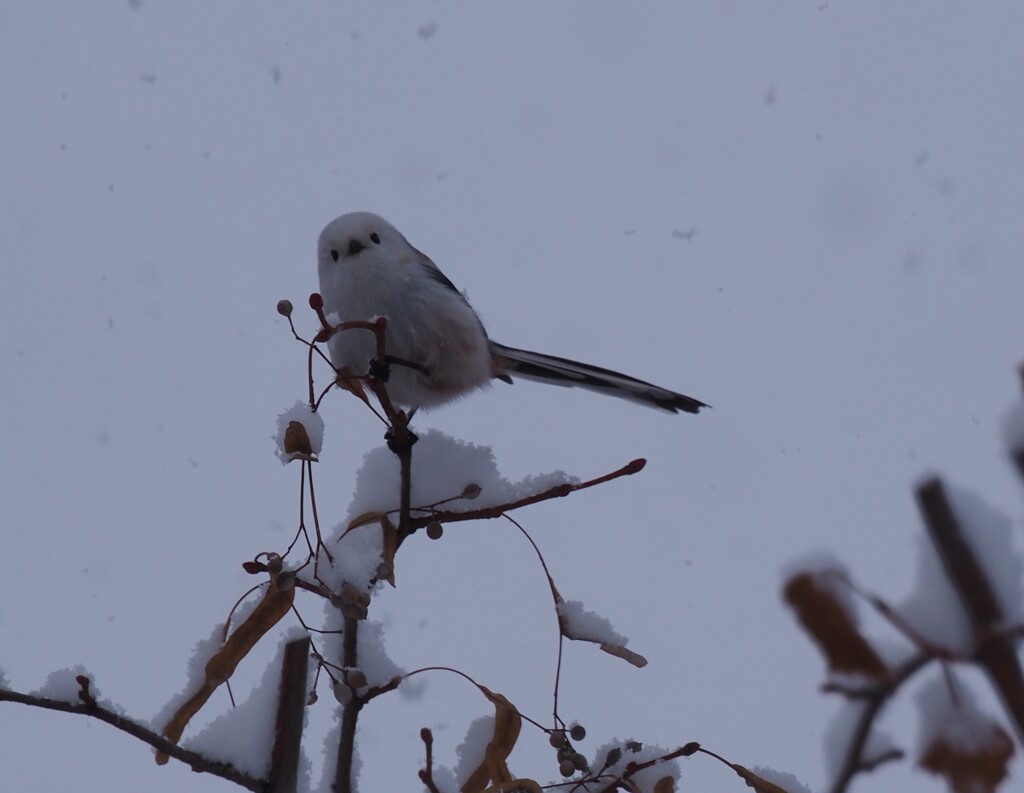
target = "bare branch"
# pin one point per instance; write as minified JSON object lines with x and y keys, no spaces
{"x":197,"y":762}
{"x":558,"y":491}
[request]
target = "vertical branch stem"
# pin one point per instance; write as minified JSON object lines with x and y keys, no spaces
{"x":284,"y":763}
{"x":996,"y":653}
{"x":343,"y":781}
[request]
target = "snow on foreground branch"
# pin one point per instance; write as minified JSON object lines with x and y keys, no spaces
{"x":966,"y":610}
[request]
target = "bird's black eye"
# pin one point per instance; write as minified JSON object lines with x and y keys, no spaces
{"x":354,"y":246}
{"x":334,"y":254}
{"x":375,"y":239}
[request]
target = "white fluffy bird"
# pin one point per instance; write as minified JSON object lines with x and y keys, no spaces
{"x":438,"y":346}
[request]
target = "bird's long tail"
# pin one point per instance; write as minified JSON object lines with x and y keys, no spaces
{"x":561,"y":371}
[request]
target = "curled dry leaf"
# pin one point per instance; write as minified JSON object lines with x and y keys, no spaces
{"x":492,"y":770}
{"x":754,"y":781}
{"x":276,"y":602}
{"x":348,"y":380}
{"x":296,"y":441}
{"x":625,"y":654}
{"x":832,"y":627}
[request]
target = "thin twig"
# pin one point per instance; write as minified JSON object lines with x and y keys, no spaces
{"x":558,"y":491}
{"x":556,"y":599}
{"x":196,"y":761}
{"x":395,"y":682}
{"x":854,"y":762}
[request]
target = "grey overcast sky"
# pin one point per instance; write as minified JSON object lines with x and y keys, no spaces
{"x":807,"y":214}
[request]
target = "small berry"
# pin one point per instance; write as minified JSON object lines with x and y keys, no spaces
{"x":577,"y":733}
{"x":342,"y":693}
{"x":284,"y":308}
{"x":435,"y":530}
{"x":566,"y":768}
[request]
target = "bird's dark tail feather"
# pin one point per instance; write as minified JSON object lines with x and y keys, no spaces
{"x":561,"y":371}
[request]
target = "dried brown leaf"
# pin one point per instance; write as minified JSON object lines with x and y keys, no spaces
{"x":296,"y":440}
{"x":348,"y":380}
{"x":625,"y":654}
{"x":831,"y":626}
{"x":507,"y":724}
{"x":665,"y":785}
{"x":276,"y":602}
{"x":976,"y":769}
{"x":756,"y":782}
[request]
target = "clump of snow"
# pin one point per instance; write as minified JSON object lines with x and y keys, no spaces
{"x":958,"y":722}
{"x":933,"y":607}
{"x":471,"y":751}
{"x":357,"y":555}
{"x":442,"y":470}
{"x":330,"y":758}
{"x":373,"y":658}
{"x":586,"y":625}
{"x":1013,"y":427}
{"x":839,"y":736}
{"x":442,"y":467}
{"x":783,"y":779}
{"x":444,"y":779}
{"x":202,"y":652}
{"x":632,"y":751}
{"x":990,"y":535}
{"x":374,"y":661}
{"x":330,"y":755}
{"x":244,"y":735}
{"x":313,"y":423}
{"x":62,"y":685}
